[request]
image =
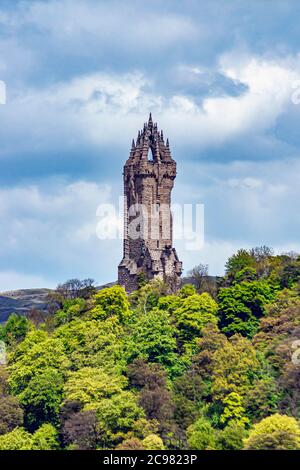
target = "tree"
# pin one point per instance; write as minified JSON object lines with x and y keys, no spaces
{"x":71,"y":309}
{"x":231,"y":437}
{"x":132,"y":443}
{"x":194,"y":388}
{"x":37,"y":373}
{"x":185,"y":291}
{"x":153,"y":442}
{"x":93,"y":343}
{"x":72,"y":289}
{"x":235,"y":367}
{"x":152,"y":337}
{"x":111,"y":301}
{"x":260,"y":253}
{"x":11,"y":414}
{"x":89,"y":385}
{"x":290,"y":274}
{"x":279,"y":331}
{"x":76,"y":288}
{"x":242,"y":305}
{"x":247,"y":274}
{"x":277,"y":432}
{"x":32,"y":356}
{"x":35,"y":316}
{"x":101,"y":392}
{"x":18,"y":439}
{"x":198,"y":276}
{"x":155,"y":398}
{"x":45,"y":438}
{"x":81,"y":430}
{"x":169,"y":303}
{"x":289,"y":385}
{"x":116,"y":417}
{"x":280,"y":321}
{"x":68,"y":409}
{"x":195,"y":312}
{"x":201,"y":435}
{"x":147,"y":297}
{"x":42,"y":398}
{"x":263,"y":397}
{"x":142,"y":374}
{"x":14,"y":330}
{"x":3,"y":381}
{"x":240,"y":260}
{"x":144,"y":427}
{"x":233,"y":409}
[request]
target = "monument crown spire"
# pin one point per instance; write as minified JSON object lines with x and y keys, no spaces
{"x":151,"y":139}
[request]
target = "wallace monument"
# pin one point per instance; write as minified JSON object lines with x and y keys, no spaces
{"x":149,"y":175}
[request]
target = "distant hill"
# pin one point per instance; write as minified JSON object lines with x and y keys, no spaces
{"x":22,"y":301}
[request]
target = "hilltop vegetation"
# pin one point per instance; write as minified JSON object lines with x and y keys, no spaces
{"x":207,"y":367}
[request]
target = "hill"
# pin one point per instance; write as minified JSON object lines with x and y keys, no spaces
{"x":22,"y":301}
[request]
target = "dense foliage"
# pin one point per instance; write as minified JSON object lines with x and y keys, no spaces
{"x":213,"y":366}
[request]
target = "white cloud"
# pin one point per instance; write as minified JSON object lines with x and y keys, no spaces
{"x":52,"y":230}
{"x":95,"y":23}
{"x":256,"y":202}
{"x":98,"y":107}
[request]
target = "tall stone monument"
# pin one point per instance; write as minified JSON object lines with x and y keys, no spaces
{"x":149,"y":175}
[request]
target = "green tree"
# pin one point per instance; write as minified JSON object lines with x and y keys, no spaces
{"x":71,"y":308}
{"x":263,"y":397}
{"x":152,"y":337}
{"x":42,"y":398}
{"x":235,"y":367}
{"x":32,"y":356}
{"x":290,"y":274}
{"x":89,"y":385}
{"x":18,"y":439}
{"x":201,"y":435}
{"x":14,"y":330}
{"x":93,"y":343}
{"x":153,"y":442}
{"x":116,"y":417}
{"x":195,"y":312}
{"x":111,"y":301}
{"x":247,"y":274}
{"x":45,"y":438}
{"x":233,"y":409}
{"x":231,"y":437}
{"x":187,"y":290}
{"x":147,"y":297}
{"x":240,"y":260}
{"x":277,"y":432}
{"x":242,"y":305}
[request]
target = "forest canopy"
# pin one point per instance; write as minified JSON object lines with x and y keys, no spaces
{"x":211,"y":366}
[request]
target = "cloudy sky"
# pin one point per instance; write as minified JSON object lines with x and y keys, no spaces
{"x":222,"y":78}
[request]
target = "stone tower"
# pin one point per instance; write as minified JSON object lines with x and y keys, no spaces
{"x":149,"y":175}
